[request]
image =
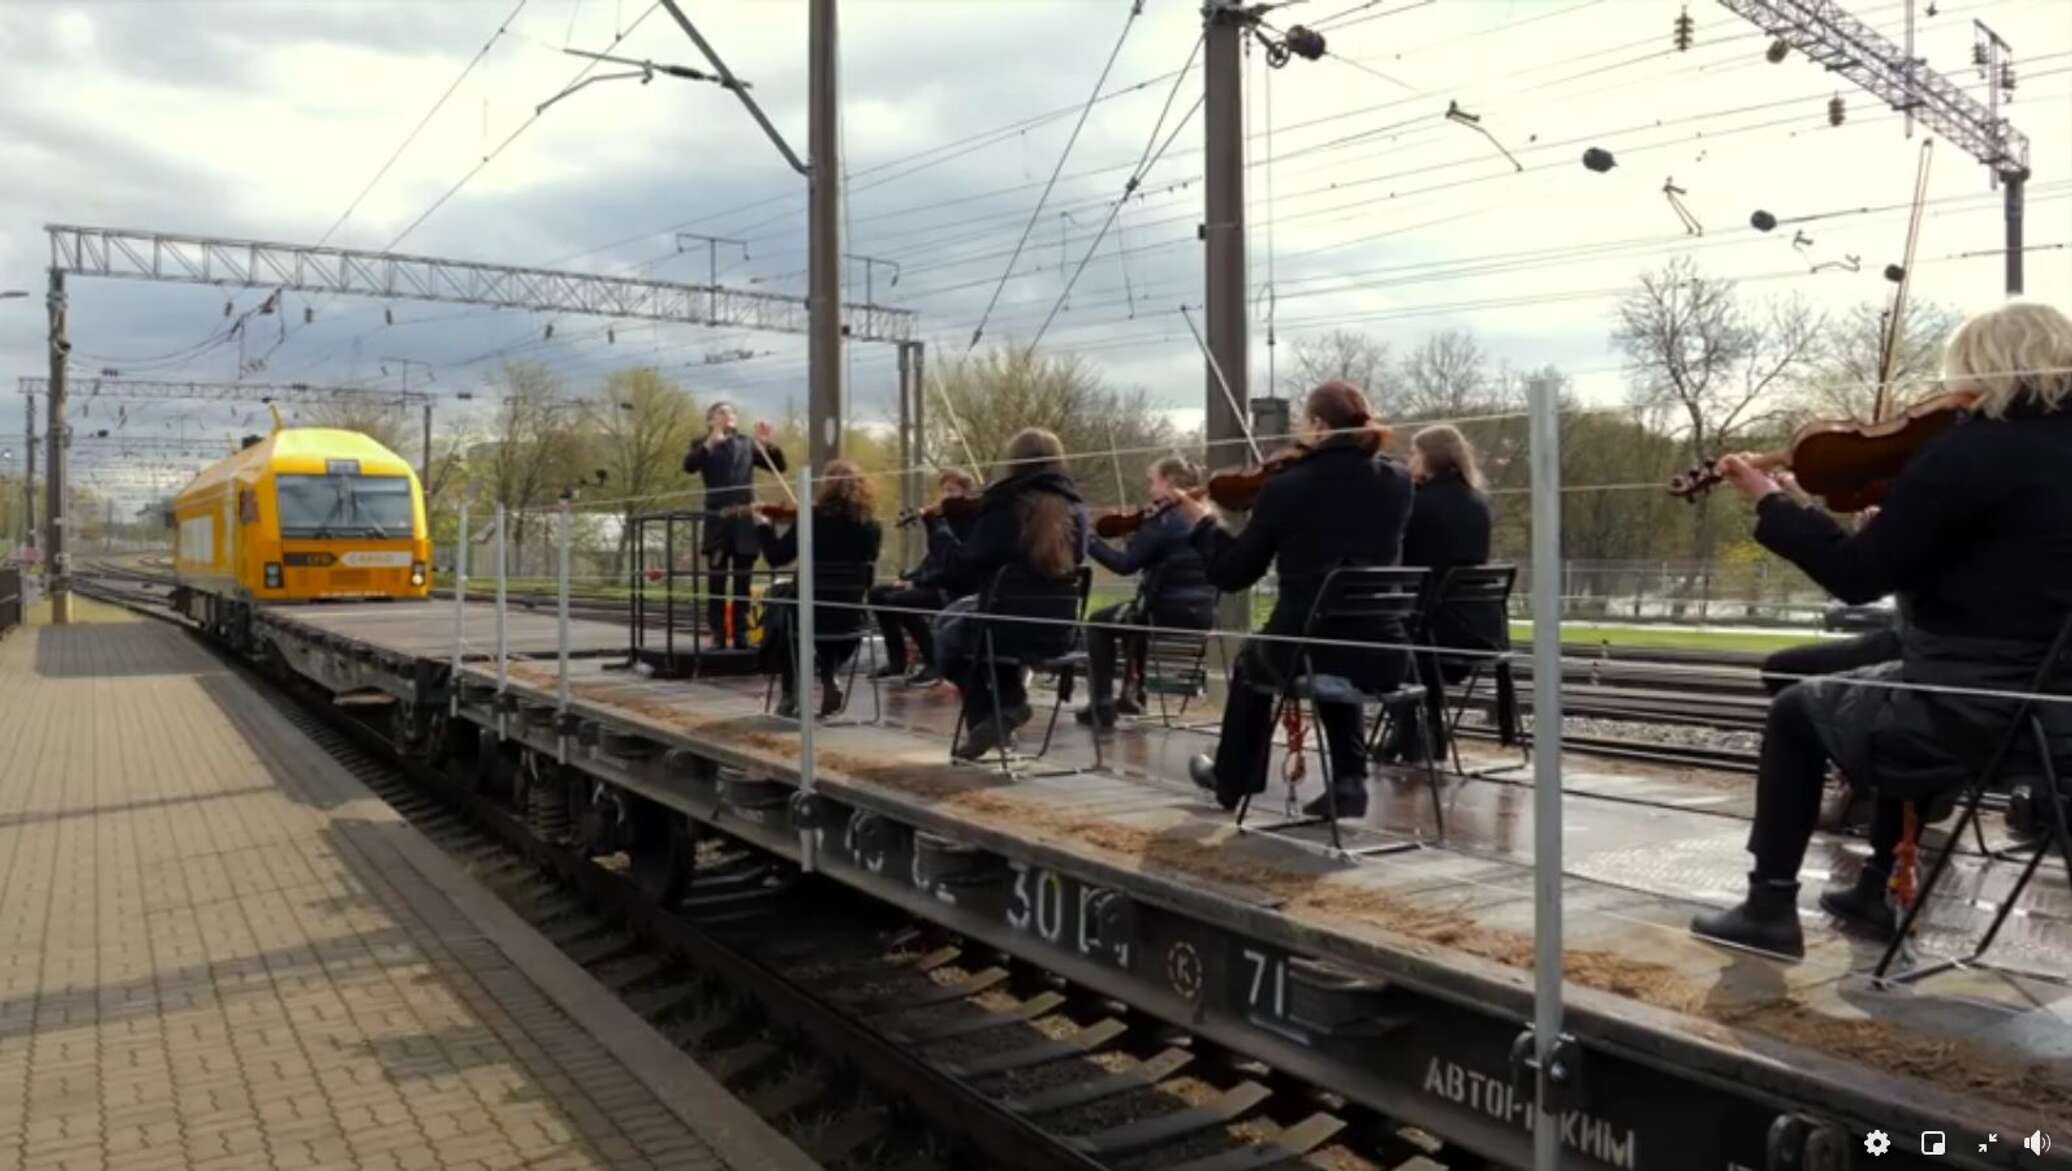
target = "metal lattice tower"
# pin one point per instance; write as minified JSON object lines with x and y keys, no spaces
{"x":1845,"y":45}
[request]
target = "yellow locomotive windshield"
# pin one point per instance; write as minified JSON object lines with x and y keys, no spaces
{"x":344,"y":504}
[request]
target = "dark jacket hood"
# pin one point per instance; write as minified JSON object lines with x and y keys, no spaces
{"x":1052,"y":480}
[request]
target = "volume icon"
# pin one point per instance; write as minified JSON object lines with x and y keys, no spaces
{"x":2036,"y":1143}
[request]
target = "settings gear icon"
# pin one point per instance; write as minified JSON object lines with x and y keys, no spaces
{"x":1877,"y":1142}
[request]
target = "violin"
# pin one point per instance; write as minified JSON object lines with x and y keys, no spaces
{"x":1849,"y":464}
{"x":783,"y":512}
{"x":952,"y":507}
{"x":1121,"y":522}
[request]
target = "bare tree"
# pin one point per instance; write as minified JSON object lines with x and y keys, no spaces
{"x":643,"y":424}
{"x":1845,"y":377}
{"x":1706,"y":367}
{"x":1448,"y":375}
{"x":1107,"y":433}
{"x":533,"y":448}
{"x":1343,"y":354}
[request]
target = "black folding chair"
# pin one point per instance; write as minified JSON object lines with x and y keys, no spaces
{"x":1459,"y":593}
{"x":2025,"y":745}
{"x":1169,"y":662}
{"x":839,"y":590}
{"x":1015,"y":594}
{"x":1352,"y":596}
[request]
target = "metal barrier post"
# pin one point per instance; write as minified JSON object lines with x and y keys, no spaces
{"x":1551,"y":1055}
{"x":561,"y":640}
{"x":802,"y":632}
{"x":503,"y":642}
{"x":460,"y":610}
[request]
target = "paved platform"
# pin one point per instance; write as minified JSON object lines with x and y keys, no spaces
{"x":218,"y":949}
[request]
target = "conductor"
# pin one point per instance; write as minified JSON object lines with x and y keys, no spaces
{"x":726,"y":460}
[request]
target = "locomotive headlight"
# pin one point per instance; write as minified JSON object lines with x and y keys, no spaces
{"x":273,"y":575}
{"x":417,"y":573}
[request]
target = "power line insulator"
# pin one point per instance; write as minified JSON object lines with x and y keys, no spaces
{"x":1836,"y":111}
{"x":1777,"y":51}
{"x":2007,"y":78}
{"x":1684,"y":24}
{"x":1598,"y":159}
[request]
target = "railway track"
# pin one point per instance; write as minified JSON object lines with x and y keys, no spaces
{"x":871,"y":1039}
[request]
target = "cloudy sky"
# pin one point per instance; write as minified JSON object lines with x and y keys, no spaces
{"x":267,"y":119}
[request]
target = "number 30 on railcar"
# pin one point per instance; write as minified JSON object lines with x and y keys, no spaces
{"x":306,"y":514}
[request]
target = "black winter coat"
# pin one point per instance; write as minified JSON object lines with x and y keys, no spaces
{"x":928,"y":574}
{"x":1338,"y":506}
{"x":845,"y":551}
{"x":995,"y":541}
{"x":1977,"y":534}
{"x":1175,"y":586}
{"x":728,"y":472}
{"x":1449,"y":527}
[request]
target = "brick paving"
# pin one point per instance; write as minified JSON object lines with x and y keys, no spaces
{"x":215,"y":952}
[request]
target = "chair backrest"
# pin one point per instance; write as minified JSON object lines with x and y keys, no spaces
{"x":1359,"y":594}
{"x":1014,"y":589}
{"x":843,"y":581}
{"x":1458,"y":595}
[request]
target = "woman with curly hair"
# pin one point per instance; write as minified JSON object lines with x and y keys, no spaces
{"x":846,"y":537}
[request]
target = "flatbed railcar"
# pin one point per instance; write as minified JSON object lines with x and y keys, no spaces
{"x":305,"y":514}
{"x":1400,"y":984}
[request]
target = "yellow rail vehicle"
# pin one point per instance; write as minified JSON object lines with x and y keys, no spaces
{"x":305,"y":514}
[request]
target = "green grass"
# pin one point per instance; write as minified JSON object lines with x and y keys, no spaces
{"x":1670,"y":637}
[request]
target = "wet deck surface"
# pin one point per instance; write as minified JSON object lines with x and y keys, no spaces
{"x":426,"y":629}
{"x":1645,"y":848}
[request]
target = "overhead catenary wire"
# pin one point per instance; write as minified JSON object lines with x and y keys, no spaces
{"x":1136,"y":10}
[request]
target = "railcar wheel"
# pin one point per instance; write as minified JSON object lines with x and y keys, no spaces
{"x":664,"y":851}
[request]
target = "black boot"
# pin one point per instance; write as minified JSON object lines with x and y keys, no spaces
{"x":1862,"y":904}
{"x":1351,"y":804}
{"x":1202,"y":768}
{"x":1096,"y":714}
{"x":1767,"y":921}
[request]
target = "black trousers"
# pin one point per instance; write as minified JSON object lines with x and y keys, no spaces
{"x":896,"y":609}
{"x":1788,"y":785}
{"x":1245,"y":746}
{"x":1105,"y":644}
{"x":780,"y":654}
{"x":1828,"y":657}
{"x":720,"y":562}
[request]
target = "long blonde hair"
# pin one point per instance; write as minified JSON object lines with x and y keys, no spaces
{"x":1444,"y":448}
{"x":2023,"y":346}
{"x":1045,"y":517}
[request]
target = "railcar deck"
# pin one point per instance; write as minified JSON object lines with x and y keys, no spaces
{"x":1399,"y":980}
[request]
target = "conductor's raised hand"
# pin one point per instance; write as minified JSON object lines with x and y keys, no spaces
{"x":1751,"y":481}
{"x":763,"y":433}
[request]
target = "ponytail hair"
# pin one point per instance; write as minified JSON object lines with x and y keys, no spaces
{"x":1342,"y":409}
{"x":1175,"y":470}
{"x":1045,"y":518}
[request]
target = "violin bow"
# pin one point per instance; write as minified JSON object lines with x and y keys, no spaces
{"x":1122,"y":492}
{"x":1895,"y":322}
{"x":763,"y":453}
{"x":1244,"y":421}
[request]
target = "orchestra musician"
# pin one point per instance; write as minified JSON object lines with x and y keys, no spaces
{"x":1032,"y":519}
{"x":1977,"y":532}
{"x":1341,"y":504}
{"x":1175,"y":592}
{"x":905,"y":608}
{"x":726,"y":460}
{"x":1449,"y":526}
{"x":845,"y":534}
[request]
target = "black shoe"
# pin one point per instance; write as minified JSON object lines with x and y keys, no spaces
{"x":1130,"y":705}
{"x":1767,"y":921}
{"x":788,"y":706}
{"x":1099,"y":715}
{"x":980,"y":739}
{"x":924,"y":677}
{"x":1014,"y":715}
{"x":1202,"y":768}
{"x":1862,"y":904}
{"x":830,"y":700}
{"x":1352,"y":803}
{"x":889,"y":672}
